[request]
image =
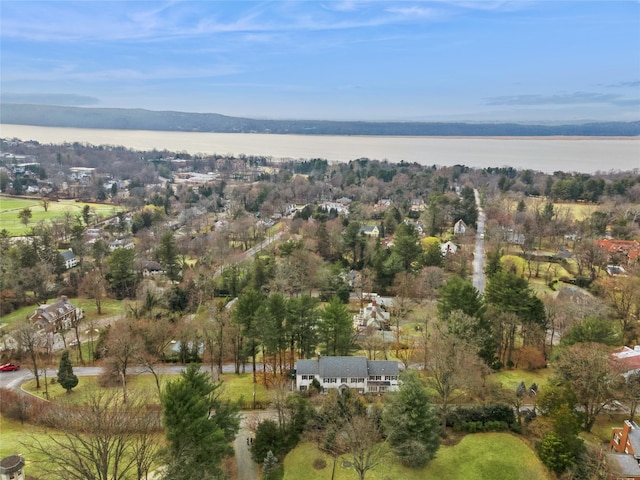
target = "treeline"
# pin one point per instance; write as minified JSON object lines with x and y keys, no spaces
{"x":138,"y":119}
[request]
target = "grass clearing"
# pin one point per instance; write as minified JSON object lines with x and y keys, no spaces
{"x":110,"y":307}
{"x":234,"y":387}
{"x":18,"y":438}
{"x":510,"y":379}
{"x":10,"y":207}
{"x":498,"y":456}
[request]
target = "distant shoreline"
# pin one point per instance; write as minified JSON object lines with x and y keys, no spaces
{"x":440,"y":137}
{"x":548,"y":154}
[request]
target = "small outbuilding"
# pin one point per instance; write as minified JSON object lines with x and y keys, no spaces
{"x":12,"y":468}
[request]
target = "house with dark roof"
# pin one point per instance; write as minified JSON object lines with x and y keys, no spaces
{"x":373,"y":315}
{"x":58,"y":316}
{"x":12,"y":468}
{"x":370,"y":231}
{"x":149,"y":268}
{"x":356,"y":373}
{"x":624,"y":460}
{"x":70,"y":259}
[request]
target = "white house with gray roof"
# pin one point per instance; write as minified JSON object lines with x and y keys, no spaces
{"x":356,"y":373}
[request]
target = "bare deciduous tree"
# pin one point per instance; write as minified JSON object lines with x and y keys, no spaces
{"x":123,"y":348}
{"x":361,"y":438}
{"x":105,"y":439}
{"x":30,"y":341}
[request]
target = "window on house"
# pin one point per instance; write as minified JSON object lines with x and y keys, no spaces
{"x":303,"y":387}
{"x":390,"y":377}
{"x":375,"y":377}
{"x":331,"y":380}
{"x":343,"y":380}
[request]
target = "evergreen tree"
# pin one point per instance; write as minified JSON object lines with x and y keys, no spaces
{"x":406,"y":245}
{"x":199,"y":426}
{"x":121,"y":276}
{"x":271,"y":470}
{"x":411,"y":423}
{"x":336,"y":328}
{"x":460,"y":294}
{"x":247,"y":314}
{"x":560,"y":449}
{"x":168,"y":255}
{"x":66,"y":378}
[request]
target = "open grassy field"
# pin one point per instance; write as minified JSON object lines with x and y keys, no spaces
{"x":498,"y":456}
{"x":579,"y":211}
{"x":10,"y":207}
{"x":234,"y":387}
{"x":510,"y":379}
{"x":18,"y":438}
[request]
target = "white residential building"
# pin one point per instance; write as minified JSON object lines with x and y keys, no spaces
{"x":356,"y":373}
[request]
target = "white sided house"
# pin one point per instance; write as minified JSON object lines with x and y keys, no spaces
{"x":355,"y":373}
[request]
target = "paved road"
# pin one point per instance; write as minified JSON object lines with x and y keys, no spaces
{"x":252,"y":251}
{"x":478,"y":254}
{"x":13,"y":380}
{"x":247,"y":468}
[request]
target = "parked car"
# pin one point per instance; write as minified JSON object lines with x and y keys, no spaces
{"x":9,"y":367}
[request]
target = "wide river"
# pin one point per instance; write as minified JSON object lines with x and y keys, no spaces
{"x":546,"y":154}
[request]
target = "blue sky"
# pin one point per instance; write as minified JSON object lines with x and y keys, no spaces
{"x":529,"y":61}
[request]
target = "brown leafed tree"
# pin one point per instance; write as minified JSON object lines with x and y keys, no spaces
{"x":595,"y":381}
{"x":123,"y":349}
{"x":453,"y":368}
{"x":106,"y":438}
{"x":623,"y":295}
{"x":94,"y":286}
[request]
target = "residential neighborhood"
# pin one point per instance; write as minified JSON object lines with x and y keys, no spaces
{"x":258,"y":276}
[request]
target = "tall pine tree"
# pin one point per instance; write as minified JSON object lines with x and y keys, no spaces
{"x":199,"y":426}
{"x":411,"y":423}
{"x":66,"y":378}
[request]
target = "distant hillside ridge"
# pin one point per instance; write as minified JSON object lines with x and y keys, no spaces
{"x":139,"y":119}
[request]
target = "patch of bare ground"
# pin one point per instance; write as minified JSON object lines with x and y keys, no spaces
{"x":452,"y":438}
{"x":319,"y":464}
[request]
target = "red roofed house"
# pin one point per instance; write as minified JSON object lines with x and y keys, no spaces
{"x":623,"y":461}
{"x":627,"y":248}
{"x":627,"y":359}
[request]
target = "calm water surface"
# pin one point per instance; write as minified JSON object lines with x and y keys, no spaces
{"x":580,"y":154}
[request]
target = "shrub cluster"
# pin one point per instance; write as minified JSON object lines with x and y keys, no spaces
{"x":23,"y":408}
{"x":485,"y":418}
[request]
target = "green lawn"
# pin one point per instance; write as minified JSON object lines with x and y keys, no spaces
{"x":110,"y":307}
{"x":495,"y":456}
{"x":10,"y":207}
{"x":17,"y":438}
{"x":510,"y":379}
{"x":233,"y":388}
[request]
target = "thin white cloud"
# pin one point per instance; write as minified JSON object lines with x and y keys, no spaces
{"x":93,"y":22}
{"x":573,"y":98}
{"x":413,"y":11}
{"x":73,"y":73}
